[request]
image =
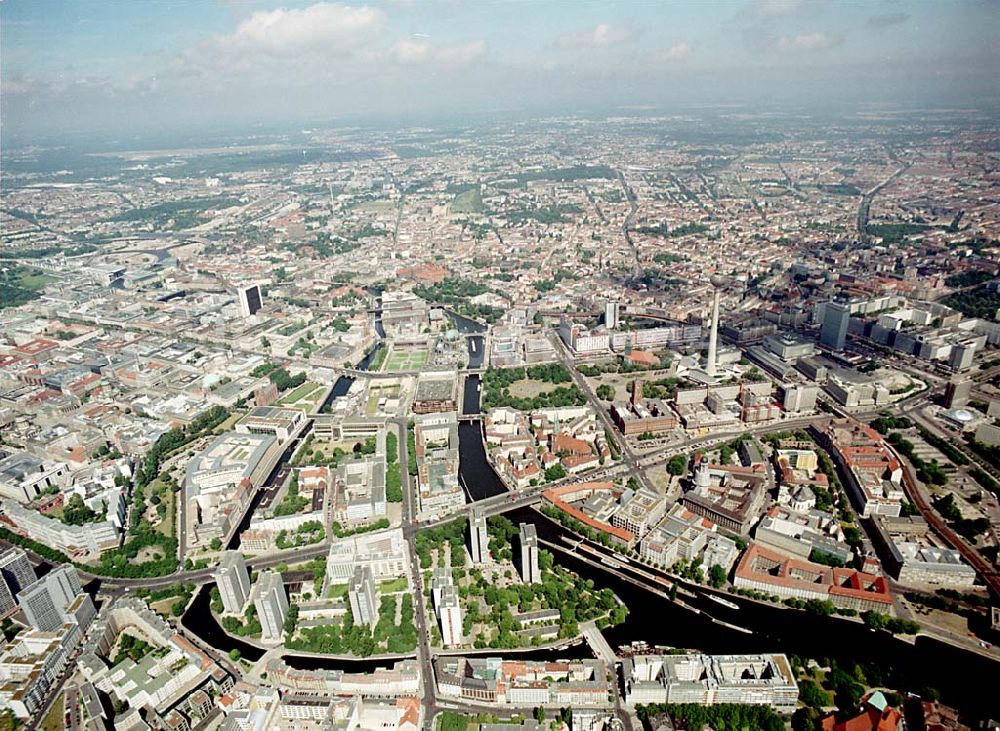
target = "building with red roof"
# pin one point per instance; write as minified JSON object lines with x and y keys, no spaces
{"x":763,"y":569}
{"x":875,"y":715}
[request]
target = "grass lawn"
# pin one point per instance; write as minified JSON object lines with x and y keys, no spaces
{"x":230,"y":422}
{"x":33,"y":279}
{"x":20,"y":284}
{"x":406,"y":360}
{"x":304,"y":397}
{"x":451,"y":721}
{"x":166,"y":526}
{"x":393,"y":586}
{"x":337,"y":591}
{"x":164,"y":606}
{"x":530,"y":388}
{"x":53,"y":720}
{"x":469,"y":201}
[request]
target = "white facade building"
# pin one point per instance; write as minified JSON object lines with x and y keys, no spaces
{"x":233,"y":581}
{"x":269,"y":598}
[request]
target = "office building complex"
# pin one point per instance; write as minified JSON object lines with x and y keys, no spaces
{"x":769,"y":571}
{"x":233,"y":581}
{"x":361,"y":593}
{"x":385,"y":552}
{"x":436,"y":441}
{"x":447,"y":607}
{"x":45,"y":602}
{"x":874,"y":474}
{"x":93,"y":538}
{"x":710,"y":679}
{"x":359,"y":489}
{"x":530,"y":573}
{"x":221,"y":480}
{"x":915,"y":556}
{"x":280,"y":423}
{"x":269,"y":598}
{"x":523,"y":683}
{"x":640,"y":510}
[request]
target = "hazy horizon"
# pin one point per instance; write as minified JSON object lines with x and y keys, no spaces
{"x":141,"y":69}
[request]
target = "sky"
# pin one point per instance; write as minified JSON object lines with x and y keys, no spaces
{"x":71,"y":66}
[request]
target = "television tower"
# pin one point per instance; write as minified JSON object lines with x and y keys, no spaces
{"x":719,"y":282}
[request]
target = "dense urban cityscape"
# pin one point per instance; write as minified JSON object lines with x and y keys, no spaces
{"x":637,"y":420}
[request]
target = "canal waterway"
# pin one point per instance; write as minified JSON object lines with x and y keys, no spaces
{"x":470,"y":396}
{"x":199,"y":620}
{"x":477,"y":348}
{"x":658,"y":621}
{"x":366,"y":362}
{"x":464,"y":325}
{"x":272,"y":484}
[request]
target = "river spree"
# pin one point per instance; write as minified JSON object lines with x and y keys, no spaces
{"x":657,"y":620}
{"x":771,"y":629}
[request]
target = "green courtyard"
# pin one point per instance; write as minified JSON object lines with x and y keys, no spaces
{"x":406,"y":359}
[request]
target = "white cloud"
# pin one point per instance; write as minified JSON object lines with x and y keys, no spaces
{"x":809,"y":42}
{"x":602,"y":35}
{"x":321,"y":42}
{"x":323,"y":25}
{"x":409,"y":51}
{"x":676,"y":52}
{"x":413,"y":52}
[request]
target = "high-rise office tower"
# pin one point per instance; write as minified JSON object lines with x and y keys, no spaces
{"x":957,"y":391}
{"x":479,"y":539}
{"x":16,"y":573}
{"x":361,"y":593}
{"x":7,"y":603}
{"x":530,"y":573}
{"x":44,"y":602}
{"x":962,"y":356}
{"x":611,"y":310}
{"x":16,"y":569}
{"x":81,"y":611}
{"x":233,"y":581}
{"x":269,"y":598}
{"x":251,"y":300}
{"x":833,"y":331}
